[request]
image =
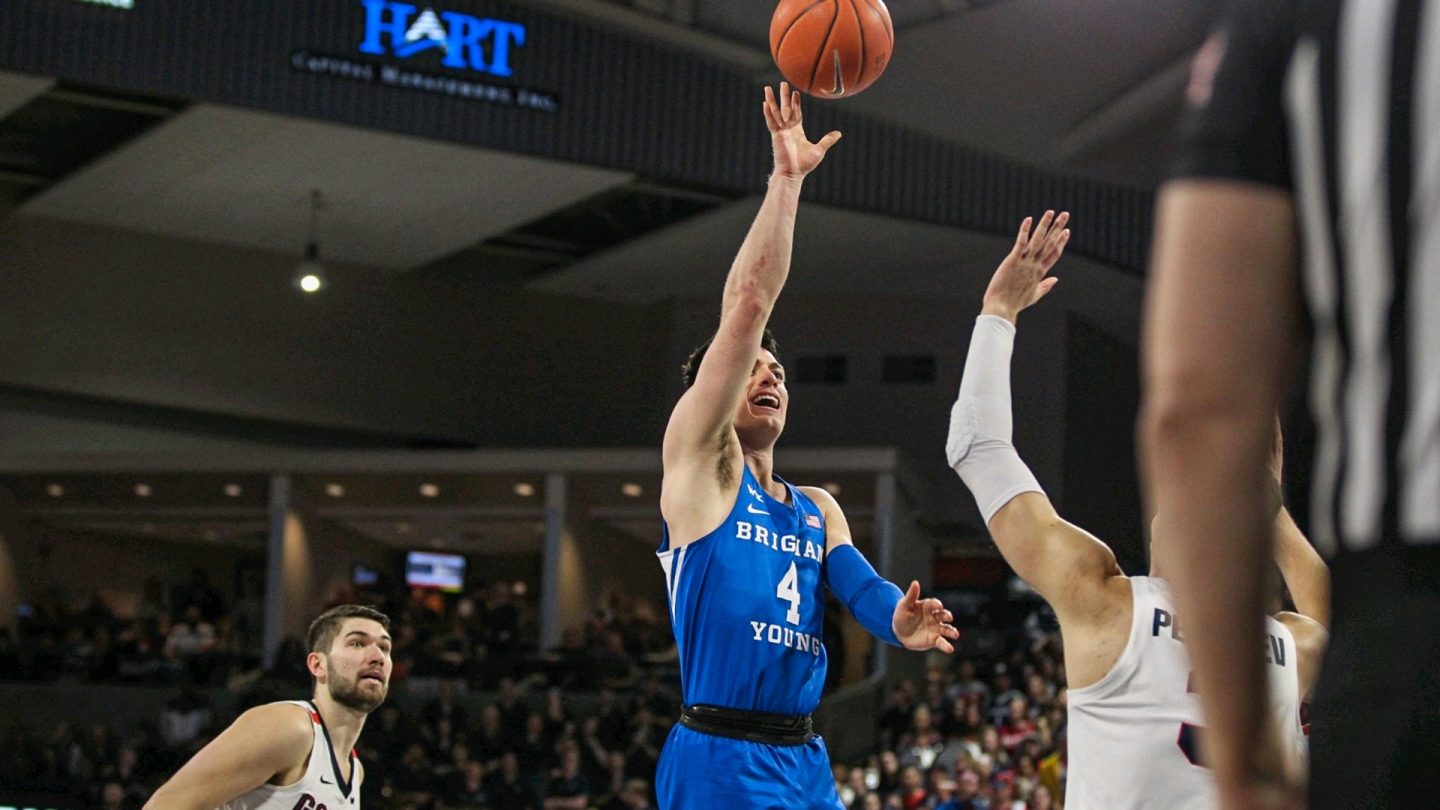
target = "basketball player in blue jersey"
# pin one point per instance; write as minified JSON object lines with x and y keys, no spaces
{"x":747,"y":556}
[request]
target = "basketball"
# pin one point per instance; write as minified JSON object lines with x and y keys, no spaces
{"x":831,"y":48}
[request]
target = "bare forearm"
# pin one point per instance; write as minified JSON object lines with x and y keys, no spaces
{"x":763,"y":263}
{"x":1305,"y":573}
{"x":1207,"y":475}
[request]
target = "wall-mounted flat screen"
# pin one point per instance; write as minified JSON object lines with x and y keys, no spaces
{"x":428,"y":569}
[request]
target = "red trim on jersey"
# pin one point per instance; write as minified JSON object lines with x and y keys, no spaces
{"x":315,"y":718}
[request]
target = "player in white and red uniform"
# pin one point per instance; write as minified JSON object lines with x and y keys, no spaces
{"x":1133,"y":719}
{"x":297,"y":755}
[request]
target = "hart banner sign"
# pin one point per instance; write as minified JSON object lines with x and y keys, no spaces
{"x":420,"y":40}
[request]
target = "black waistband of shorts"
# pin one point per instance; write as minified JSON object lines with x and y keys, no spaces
{"x":761,"y":727}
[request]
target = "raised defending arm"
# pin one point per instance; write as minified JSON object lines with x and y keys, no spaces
{"x":1057,"y":559}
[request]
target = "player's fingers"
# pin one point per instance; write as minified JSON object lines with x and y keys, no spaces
{"x":829,"y":140}
{"x":949,"y":631}
{"x":795,"y":106}
{"x":771,"y":120}
{"x":1057,"y":249}
{"x":944,"y":646}
{"x":1042,"y":230}
{"x":785,"y":102}
{"x":1043,"y":288}
{"x":1022,"y":238}
{"x":912,"y":594}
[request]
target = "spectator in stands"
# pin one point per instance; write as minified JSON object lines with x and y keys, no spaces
{"x":912,"y":788}
{"x":112,"y":797}
{"x":184,"y":717}
{"x":198,"y":594}
{"x":491,"y":739}
{"x":190,"y":642}
{"x":1017,"y":727}
{"x":533,"y":748}
{"x":646,"y":740}
{"x":1042,"y":799}
{"x":506,"y":789}
{"x":1004,"y":691}
{"x":568,"y":788}
{"x":444,"y":707}
{"x":468,"y":786}
{"x":967,"y":793}
{"x":921,"y":743}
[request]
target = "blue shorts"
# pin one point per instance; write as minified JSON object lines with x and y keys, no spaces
{"x":699,"y":770}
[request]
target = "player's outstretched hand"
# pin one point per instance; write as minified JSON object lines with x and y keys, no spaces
{"x":1020,"y":280}
{"x":795,"y":155}
{"x":923,"y":624}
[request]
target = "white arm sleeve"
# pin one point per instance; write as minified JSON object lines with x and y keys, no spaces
{"x":979,"y":446}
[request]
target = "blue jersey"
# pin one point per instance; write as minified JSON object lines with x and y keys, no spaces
{"x":747,"y":601}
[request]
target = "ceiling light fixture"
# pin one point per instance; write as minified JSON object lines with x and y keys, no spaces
{"x":632,"y":490}
{"x":233,"y":490}
{"x":143,"y":490}
{"x":833,"y":489}
{"x":310,"y":274}
{"x":335,"y":490}
{"x":524,"y":490}
{"x":429,"y":490}
{"x":55,"y":491}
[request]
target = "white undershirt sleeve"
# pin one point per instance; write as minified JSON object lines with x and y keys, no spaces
{"x":979,"y":446}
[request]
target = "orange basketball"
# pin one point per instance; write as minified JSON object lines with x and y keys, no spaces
{"x":831,"y":48}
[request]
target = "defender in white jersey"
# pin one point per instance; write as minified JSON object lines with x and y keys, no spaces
{"x":1133,"y":719}
{"x":297,"y":755}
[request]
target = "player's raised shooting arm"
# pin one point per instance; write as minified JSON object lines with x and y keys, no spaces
{"x":755,"y":279}
{"x":261,"y":743}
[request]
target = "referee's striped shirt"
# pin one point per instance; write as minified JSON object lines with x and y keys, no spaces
{"x":1338,"y":101}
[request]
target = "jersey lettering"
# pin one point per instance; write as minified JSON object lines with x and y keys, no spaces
{"x":785,"y":637}
{"x":771,"y":539}
{"x":1165,"y":620}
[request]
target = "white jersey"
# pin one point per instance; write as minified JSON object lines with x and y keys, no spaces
{"x":321,"y":788}
{"x":1132,"y":736}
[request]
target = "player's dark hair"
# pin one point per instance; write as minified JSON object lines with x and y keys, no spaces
{"x":692,"y":363}
{"x":327,"y":625}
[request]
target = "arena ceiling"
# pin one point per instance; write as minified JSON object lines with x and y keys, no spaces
{"x":1089,"y":88}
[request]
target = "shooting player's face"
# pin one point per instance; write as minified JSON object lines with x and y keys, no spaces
{"x":761,"y":416}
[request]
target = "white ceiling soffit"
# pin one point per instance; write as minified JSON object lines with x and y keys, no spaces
{"x":244,"y":178}
{"x":836,"y":252}
{"x":17,"y":89}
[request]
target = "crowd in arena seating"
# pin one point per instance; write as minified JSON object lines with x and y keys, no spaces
{"x":984,"y":731}
{"x":189,"y":635}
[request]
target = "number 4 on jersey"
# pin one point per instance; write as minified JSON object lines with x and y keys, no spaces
{"x":788,"y":592}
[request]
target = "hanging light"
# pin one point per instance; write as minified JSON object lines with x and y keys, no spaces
{"x":310,"y":274}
